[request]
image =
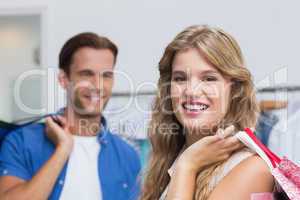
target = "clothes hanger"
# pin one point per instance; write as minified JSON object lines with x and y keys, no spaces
{"x":267,"y":105}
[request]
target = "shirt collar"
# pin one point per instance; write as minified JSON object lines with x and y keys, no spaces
{"x":102,"y":135}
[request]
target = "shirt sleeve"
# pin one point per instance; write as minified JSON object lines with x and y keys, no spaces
{"x":12,"y":157}
{"x":135,"y":188}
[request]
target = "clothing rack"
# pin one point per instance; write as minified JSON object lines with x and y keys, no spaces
{"x":127,"y":94}
{"x":279,"y":89}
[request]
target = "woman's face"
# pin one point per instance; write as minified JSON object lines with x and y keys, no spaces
{"x":199,"y":93}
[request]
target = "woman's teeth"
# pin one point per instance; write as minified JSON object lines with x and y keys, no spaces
{"x":195,"y":107}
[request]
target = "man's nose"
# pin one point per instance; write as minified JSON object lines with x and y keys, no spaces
{"x":98,"y":81}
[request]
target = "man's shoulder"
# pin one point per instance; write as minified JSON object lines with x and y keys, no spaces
{"x":27,"y":135}
{"x":124,"y":147}
{"x":121,"y":143}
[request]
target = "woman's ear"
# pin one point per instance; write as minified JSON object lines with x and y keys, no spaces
{"x":63,"y":79}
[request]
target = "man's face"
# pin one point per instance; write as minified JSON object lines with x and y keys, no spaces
{"x":90,"y":81}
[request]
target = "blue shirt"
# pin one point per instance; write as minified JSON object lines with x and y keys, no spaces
{"x":25,"y":150}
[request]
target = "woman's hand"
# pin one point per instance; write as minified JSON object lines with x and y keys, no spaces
{"x":58,"y":132}
{"x":209,"y":150}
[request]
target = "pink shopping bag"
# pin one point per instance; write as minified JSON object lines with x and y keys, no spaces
{"x":286,"y":173}
{"x":262,"y":196}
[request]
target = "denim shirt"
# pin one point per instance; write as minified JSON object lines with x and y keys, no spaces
{"x":25,"y":150}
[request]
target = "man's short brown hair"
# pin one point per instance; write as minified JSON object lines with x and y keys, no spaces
{"x":87,"y":39}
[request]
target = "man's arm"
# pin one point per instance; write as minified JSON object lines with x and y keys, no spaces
{"x":41,"y":185}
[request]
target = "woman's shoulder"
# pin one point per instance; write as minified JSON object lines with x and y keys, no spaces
{"x":251,"y":166}
{"x":251,"y":175}
{"x":235,"y":159}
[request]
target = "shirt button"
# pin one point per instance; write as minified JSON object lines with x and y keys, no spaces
{"x":104,"y":141}
{"x":61,"y":182}
{"x":5,"y":172}
{"x":125,"y":185}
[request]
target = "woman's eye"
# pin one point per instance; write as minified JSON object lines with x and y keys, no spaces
{"x":210,"y":78}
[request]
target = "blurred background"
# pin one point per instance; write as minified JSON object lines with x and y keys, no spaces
{"x":33,"y":31}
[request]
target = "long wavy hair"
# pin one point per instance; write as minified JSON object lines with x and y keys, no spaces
{"x":223,"y":52}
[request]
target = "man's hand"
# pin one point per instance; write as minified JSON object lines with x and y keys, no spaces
{"x":59,"y":133}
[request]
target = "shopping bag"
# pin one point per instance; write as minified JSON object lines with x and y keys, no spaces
{"x":285,"y":172}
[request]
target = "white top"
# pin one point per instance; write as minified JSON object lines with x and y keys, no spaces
{"x":82,"y":180}
{"x":233,"y":161}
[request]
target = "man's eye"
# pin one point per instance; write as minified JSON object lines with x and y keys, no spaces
{"x":86,"y":74}
{"x":108,"y":75}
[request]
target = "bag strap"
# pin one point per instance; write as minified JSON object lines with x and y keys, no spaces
{"x":272,"y":156}
{"x":25,"y":122}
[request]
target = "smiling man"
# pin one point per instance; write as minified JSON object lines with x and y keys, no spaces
{"x":73,"y":155}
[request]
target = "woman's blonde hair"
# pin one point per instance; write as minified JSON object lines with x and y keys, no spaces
{"x":222,"y":51}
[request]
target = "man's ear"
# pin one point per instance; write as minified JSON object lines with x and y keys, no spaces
{"x":63,"y":79}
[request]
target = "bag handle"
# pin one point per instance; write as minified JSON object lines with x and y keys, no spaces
{"x":272,"y":156}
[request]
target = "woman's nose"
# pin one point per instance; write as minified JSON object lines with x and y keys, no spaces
{"x":193,"y":88}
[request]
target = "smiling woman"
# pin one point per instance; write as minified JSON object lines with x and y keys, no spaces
{"x":200,"y":94}
{"x":204,"y":88}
